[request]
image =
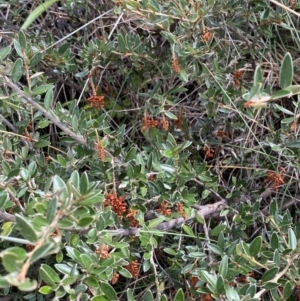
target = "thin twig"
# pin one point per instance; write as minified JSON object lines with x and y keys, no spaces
{"x":15,"y":130}
{"x":285,"y":7}
{"x":46,"y":113}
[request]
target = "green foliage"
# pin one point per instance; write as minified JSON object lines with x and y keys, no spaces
{"x":118,"y":120}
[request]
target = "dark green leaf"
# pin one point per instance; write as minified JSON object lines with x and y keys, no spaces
{"x":17,"y":70}
{"x":41,"y":144}
{"x":287,"y":290}
{"x":148,"y":296}
{"x":35,"y":13}
{"x":295,"y":144}
{"x":4,"y":52}
{"x":163,"y":298}
{"x":170,"y":115}
{"x":212,"y":280}
{"x":48,"y":275}
{"x":26,"y":229}
{"x":217,"y":230}
{"x":169,"y":36}
{"x":121,"y":43}
{"x":215,"y":248}
{"x":231,"y":294}
{"x":108,"y":291}
{"x":280,"y":94}
{"x":286,"y":71}
{"x":220,"y":287}
{"x":42,"y":89}
{"x":179,"y":295}
{"x":87,"y":261}
{"x":80,"y":288}
{"x":84,"y":183}
{"x":52,"y":208}
{"x":11,"y":262}
{"x":24,"y":174}
{"x":82,"y":73}
{"x":255,"y":246}
{"x":292,"y":239}
{"x":258,"y":76}
{"x":132,"y":4}
{"x":3,"y":198}
{"x":187,"y":229}
{"x":22,"y":39}
{"x":274,"y":241}
{"x":48,"y":99}
{"x":223,"y":268}
{"x":167,"y":168}
{"x":44,"y":251}
{"x":37,"y":57}
{"x":91,"y":282}
{"x":18,"y":48}
{"x":271,"y":285}
{"x":270,"y":274}
{"x":130,"y":296}
{"x":125,"y":273}
{"x":170,"y":251}
{"x":45,"y":290}
{"x":99,"y":298}
{"x":131,"y":154}
{"x":66,"y":269}
{"x":90,"y":199}
{"x":130,"y":171}
{"x":60,"y":187}
{"x":3,"y":282}
{"x":85,"y":221}
{"x":294,"y":89}
{"x":74,"y":178}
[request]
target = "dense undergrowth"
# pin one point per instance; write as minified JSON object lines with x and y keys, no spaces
{"x":149,"y":150}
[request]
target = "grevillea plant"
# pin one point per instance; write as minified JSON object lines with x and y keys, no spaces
{"x":149,"y":150}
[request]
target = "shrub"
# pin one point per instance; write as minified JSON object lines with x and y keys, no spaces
{"x":149,"y":151}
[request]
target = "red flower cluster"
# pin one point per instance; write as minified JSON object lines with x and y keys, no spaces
{"x":133,"y":268}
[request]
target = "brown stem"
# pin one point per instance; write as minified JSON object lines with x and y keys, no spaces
{"x":46,"y":113}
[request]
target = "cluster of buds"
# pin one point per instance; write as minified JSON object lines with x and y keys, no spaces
{"x":27,"y":136}
{"x":206,"y":35}
{"x":175,"y":65}
{"x":164,"y":208}
{"x":297,"y":292}
{"x":276,"y":178}
{"x":120,"y":208}
{"x":149,"y":123}
{"x":96,"y":101}
{"x":130,"y":217}
{"x":179,"y":208}
{"x":118,"y":204}
{"x":193,"y":281}
{"x":242,"y":279}
{"x":209,"y":152}
{"x":100,"y":150}
{"x":152,"y":178}
{"x":179,"y":121}
{"x":206,"y":297}
{"x":165,"y":124}
{"x":152,"y":123}
{"x":102,"y":251}
{"x":133,"y":268}
{"x":237,"y":77}
{"x":29,"y":247}
{"x":115,"y":278}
